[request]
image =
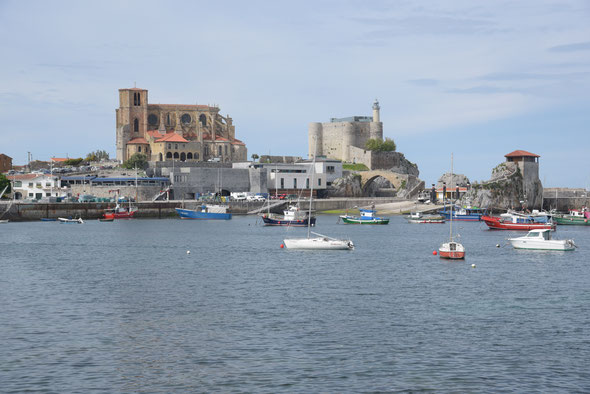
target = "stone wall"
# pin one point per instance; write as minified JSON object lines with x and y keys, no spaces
{"x":144,"y":193}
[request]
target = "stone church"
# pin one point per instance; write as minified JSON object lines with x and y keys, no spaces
{"x":181,"y":132}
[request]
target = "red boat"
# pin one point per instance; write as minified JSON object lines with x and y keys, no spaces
{"x":119,"y":213}
{"x":497,"y":223}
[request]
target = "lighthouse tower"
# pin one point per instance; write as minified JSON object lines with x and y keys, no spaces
{"x":376,"y":109}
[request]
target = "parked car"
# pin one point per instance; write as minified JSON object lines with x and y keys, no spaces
{"x":256,"y":198}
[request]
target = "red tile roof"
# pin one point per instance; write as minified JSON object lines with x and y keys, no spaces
{"x":221,"y":139}
{"x":59,"y":159}
{"x":24,"y":177}
{"x":139,"y":140}
{"x":521,"y":153}
{"x":206,"y":136}
{"x":237,"y":142}
{"x":172,"y":137}
{"x":155,"y":134}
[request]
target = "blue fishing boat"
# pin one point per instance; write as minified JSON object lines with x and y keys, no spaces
{"x":205,"y":211}
{"x":468,"y":214}
{"x":368,"y":216}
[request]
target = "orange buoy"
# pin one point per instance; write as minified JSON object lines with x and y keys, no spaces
{"x":282,"y":246}
{"x":434,"y":252}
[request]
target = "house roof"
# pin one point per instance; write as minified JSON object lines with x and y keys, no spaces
{"x":171,"y":137}
{"x":26,"y":177}
{"x":59,"y":159}
{"x":139,"y":140}
{"x":237,"y":142}
{"x":521,"y":153}
{"x":3,"y":155}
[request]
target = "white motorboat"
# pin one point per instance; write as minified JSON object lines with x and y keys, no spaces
{"x":4,"y":221}
{"x":68,"y":220}
{"x":541,"y":240}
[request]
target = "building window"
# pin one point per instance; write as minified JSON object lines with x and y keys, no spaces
{"x":282,"y":183}
{"x":168,"y":155}
{"x":196,"y":156}
{"x":189,"y":156}
{"x":226,"y":150}
{"x":330,"y":169}
{"x":160,"y":157}
{"x":175,"y":146}
{"x":30,"y":184}
{"x":138,"y":99}
{"x":176,"y":156}
{"x":307,"y":183}
{"x":169,"y":146}
{"x":182,"y":156}
{"x":186,"y":119}
{"x":168,"y":119}
{"x":47,"y":194}
{"x":139,"y":148}
{"x":203,"y":120}
{"x":294,"y":183}
{"x":319,"y":181}
{"x":219,"y":150}
{"x":18,"y":183}
{"x":135,"y":125}
{"x":134,"y":98}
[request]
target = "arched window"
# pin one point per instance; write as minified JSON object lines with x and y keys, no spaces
{"x":136,"y":125}
{"x":182,"y":156}
{"x":176,"y":156}
{"x":160,"y":157}
{"x":196,"y":156}
{"x":219,"y":150}
{"x":139,"y":148}
{"x":226,"y":149}
{"x":169,"y":155}
{"x":138,"y":98}
{"x":189,"y":156}
{"x":168,"y":119}
{"x":203,"y":120}
{"x":134,"y":98}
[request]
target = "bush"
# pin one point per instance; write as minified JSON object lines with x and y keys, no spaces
{"x":138,"y":160}
{"x":376,"y":145}
{"x":73,"y":162}
{"x":3,"y":183}
{"x":354,"y":167}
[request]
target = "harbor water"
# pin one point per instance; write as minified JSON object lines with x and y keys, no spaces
{"x":123,"y":307}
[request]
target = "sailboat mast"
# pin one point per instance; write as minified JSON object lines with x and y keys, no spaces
{"x":451,"y":226}
{"x":311,"y":189}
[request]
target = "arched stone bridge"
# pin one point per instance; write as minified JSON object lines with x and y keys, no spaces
{"x":367,"y":177}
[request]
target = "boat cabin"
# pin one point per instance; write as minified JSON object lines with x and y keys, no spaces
{"x":545,"y":234}
{"x":367,"y":213}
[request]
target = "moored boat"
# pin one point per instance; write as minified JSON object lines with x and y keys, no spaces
{"x":120,"y":212}
{"x":574,"y":217}
{"x":451,"y":250}
{"x":70,"y":220}
{"x":417,"y":217}
{"x":515,"y":223}
{"x":292,"y":216}
{"x":205,"y":212}
{"x":367,"y":216}
{"x":468,"y":214}
{"x":541,"y":240}
{"x":320,"y":242}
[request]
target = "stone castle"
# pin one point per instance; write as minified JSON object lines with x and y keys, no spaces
{"x":345,"y":138}
{"x":180,"y":132}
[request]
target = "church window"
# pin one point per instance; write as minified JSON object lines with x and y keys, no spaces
{"x":219,"y":150}
{"x":182,"y":156}
{"x":168,"y":119}
{"x":189,"y":156}
{"x":153,"y":119}
{"x":169,"y":155}
{"x":136,"y":125}
{"x":203,"y":120}
{"x":186,"y":119}
{"x":134,"y":98}
{"x":138,"y":99}
{"x":176,"y":156}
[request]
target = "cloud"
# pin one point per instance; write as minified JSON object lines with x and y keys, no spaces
{"x":579,"y":46}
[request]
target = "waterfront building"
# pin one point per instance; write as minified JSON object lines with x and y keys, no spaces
{"x":174,"y":132}
{"x":5,"y":162}
{"x":35,"y":186}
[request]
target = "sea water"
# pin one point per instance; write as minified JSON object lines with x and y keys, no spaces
{"x":123,"y":307}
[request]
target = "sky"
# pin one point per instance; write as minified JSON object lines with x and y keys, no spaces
{"x":478,"y":79}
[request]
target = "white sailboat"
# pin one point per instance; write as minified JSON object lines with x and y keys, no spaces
{"x":451,"y":250}
{"x":319,"y":242}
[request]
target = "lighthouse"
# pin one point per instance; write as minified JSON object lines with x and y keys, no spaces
{"x":376,"y":111}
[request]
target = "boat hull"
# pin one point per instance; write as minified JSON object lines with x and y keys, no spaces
{"x":542,"y":245}
{"x":192,"y":214}
{"x":119,"y":215}
{"x":495,"y":223}
{"x":474,"y":217}
{"x":318,"y":243}
{"x":571,"y":221}
{"x":356,"y":220}
{"x":451,"y":255}
{"x":268,"y":221}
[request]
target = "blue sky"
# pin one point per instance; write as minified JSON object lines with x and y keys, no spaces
{"x":479,"y":79}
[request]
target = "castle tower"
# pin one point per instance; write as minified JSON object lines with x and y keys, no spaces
{"x":315,"y":139}
{"x":131,"y":118}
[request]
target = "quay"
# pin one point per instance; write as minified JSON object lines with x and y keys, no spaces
{"x":29,"y":211}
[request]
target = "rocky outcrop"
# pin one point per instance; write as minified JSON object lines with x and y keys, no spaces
{"x":347,"y":186}
{"x":505,"y":190}
{"x":452,"y":181}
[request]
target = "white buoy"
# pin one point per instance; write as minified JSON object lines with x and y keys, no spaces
{"x":497,"y":245}
{"x":472,"y":265}
{"x":188,"y":252}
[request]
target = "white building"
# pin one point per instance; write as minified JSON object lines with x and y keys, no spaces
{"x":35,"y":186}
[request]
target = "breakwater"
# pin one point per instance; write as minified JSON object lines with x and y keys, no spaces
{"x":25,"y":211}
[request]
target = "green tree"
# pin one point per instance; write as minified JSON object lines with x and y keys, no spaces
{"x":3,"y":183}
{"x":138,"y":159}
{"x":255,"y":157}
{"x":97,"y":155}
{"x":380,"y":146}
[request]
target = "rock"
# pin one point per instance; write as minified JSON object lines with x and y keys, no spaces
{"x":457,"y":180}
{"x":348,"y":186}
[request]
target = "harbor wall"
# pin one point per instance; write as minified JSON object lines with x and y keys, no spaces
{"x":19,"y":211}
